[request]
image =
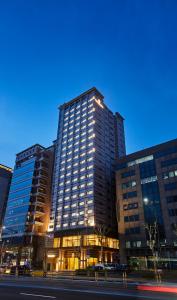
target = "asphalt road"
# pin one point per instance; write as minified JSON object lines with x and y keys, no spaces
{"x":29,"y":289}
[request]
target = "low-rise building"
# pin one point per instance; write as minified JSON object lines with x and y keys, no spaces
{"x":146,"y":183}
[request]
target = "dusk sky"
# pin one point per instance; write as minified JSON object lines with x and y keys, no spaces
{"x":51,"y":51}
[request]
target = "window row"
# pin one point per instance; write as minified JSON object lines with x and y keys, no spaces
{"x":129,"y":184}
{"x":131,"y":218}
{"x":170,"y":174}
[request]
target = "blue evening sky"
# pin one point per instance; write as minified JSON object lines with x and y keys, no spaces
{"x":53,"y":50}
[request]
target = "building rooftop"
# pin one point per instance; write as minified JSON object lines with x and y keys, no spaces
{"x":5,"y":168}
{"x":93,"y":89}
{"x":29,"y":148}
{"x":149,"y":150}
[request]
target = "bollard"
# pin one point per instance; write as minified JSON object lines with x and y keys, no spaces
{"x":124,"y":278}
{"x":106,"y":275}
{"x":96,"y":276}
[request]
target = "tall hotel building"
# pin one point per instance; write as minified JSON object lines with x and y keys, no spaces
{"x":83,"y":214}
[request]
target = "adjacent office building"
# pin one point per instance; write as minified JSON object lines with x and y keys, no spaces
{"x":27,"y":213}
{"x":5,"y":179}
{"x":146,"y":183}
{"x":83,"y":212}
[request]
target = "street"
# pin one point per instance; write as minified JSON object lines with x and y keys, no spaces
{"x":25,"y":288}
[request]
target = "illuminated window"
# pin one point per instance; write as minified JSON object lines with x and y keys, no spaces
{"x":81,"y":203}
{"x":90,"y":201}
{"x":90,"y":167}
{"x":89,"y":192}
{"x":83,"y":147}
{"x":83,"y":154}
{"x":83,"y":133}
{"x":66,"y":206}
{"x":83,"y":140}
{"x":74,"y":188}
{"x":81,"y":222}
{"x":65,"y":225}
{"x":90,"y":130}
{"x":90,"y":175}
{"x":65,"y":216}
{"x":82,"y":161}
{"x":74,"y":214}
{"x":90,"y":144}
{"x":81,"y":194}
{"x":76,"y":157}
{"x":68,"y":174}
{"x":91,"y":99}
{"x":83,"y":121}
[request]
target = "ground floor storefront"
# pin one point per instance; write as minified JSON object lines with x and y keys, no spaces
{"x":80,"y":252}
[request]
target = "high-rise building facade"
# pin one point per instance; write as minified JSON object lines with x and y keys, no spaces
{"x":146,"y":183}
{"x":5,"y":179}
{"x":90,"y":138}
{"x":27,"y":213}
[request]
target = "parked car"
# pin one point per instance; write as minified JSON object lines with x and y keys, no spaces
{"x":104,"y":266}
{"x":20,"y":270}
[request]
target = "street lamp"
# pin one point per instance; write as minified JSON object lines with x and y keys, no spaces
{"x":146,"y":201}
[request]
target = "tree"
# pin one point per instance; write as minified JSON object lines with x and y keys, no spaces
{"x":152,"y":242}
{"x":174,"y":228}
{"x":101,"y":231}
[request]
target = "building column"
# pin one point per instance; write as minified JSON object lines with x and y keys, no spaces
{"x":83,"y":261}
{"x":60,"y":260}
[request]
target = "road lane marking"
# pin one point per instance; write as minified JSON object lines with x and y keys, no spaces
{"x":36,"y":295}
{"x":110,"y":293}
